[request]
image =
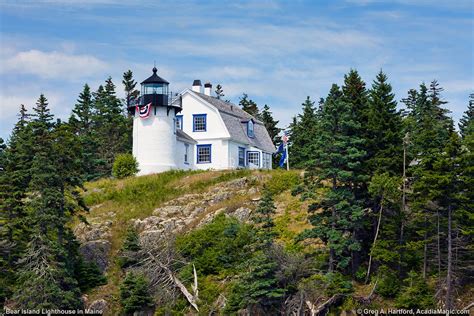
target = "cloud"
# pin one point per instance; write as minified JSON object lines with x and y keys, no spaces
{"x":54,"y":64}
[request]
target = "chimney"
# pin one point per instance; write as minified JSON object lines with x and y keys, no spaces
{"x":207,"y":88}
{"x":197,"y":85}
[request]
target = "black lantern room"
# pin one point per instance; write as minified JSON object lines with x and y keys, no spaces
{"x":154,"y":90}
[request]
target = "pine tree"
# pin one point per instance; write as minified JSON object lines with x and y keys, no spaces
{"x":336,"y":158}
{"x":84,"y":126}
{"x":46,"y":273}
{"x":384,"y":129}
{"x":466,"y":123}
{"x":134,"y":293}
{"x":270,"y":124}
{"x":219,"y":91}
{"x":303,"y":132}
{"x":248,"y":105}
{"x":356,"y":95}
{"x":113,"y":128}
{"x":129,"y":85}
{"x":258,"y":289}
{"x":263,"y":218}
{"x":15,"y":175}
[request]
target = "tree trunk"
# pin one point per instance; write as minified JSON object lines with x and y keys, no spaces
{"x":333,"y":226}
{"x":375,"y":240}
{"x":439,"y":248}
{"x":402,"y":211}
{"x":425,"y":251}
{"x":449,"y":277}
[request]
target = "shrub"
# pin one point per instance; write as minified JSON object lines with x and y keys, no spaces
{"x":134,"y":295}
{"x":282,"y":180}
{"x":388,"y":284}
{"x":130,"y":246}
{"x":125,"y":165}
{"x":218,"y":246}
{"x":417,"y":293}
{"x":89,"y":275}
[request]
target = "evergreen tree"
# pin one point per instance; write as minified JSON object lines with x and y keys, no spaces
{"x":466,"y":123}
{"x":384,"y":129}
{"x":83,"y":125}
{"x":336,"y":158}
{"x":258,"y":289}
{"x":356,"y":96}
{"x":270,"y":124}
{"x":134,"y":294}
{"x":129,"y":84}
{"x":46,"y":273}
{"x":219,"y":91}
{"x":113,"y":128}
{"x":248,"y":105}
{"x":15,"y":164}
{"x":263,"y":218}
{"x":303,"y":131}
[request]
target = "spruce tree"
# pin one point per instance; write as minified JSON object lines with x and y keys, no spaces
{"x":113,"y":128}
{"x":337,"y":157}
{"x":15,"y":175}
{"x":384,"y":129}
{"x":263,"y":218}
{"x":83,"y":124}
{"x":129,"y":85}
{"x":219,"y":91}
{"x":466,"y":123}
{"x":303,"y":129}
{"x":248,"y":105}
{"x":46,"y":272}
{"x":270,"y":124}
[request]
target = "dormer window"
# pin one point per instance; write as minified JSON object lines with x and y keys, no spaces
{"x":250,"y":127}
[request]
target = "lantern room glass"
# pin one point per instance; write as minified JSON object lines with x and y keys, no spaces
{"x":154,"y":88}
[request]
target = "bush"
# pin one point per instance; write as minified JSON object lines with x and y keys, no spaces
{"x":217,"y":247}
{"x":388,"y":284}
{"x":130,"y":246}
{"x":282,"y":180}
{"x":89,"y":275}
{"x":134,"y":295}
{"x":417,"y":293}
{"x":125,"y":165}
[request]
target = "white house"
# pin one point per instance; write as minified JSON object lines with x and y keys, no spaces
{"x":194,"y":130}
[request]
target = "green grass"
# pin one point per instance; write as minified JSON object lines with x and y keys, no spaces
{"x":122,"y":200}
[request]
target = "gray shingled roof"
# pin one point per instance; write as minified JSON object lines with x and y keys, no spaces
{"x":182,"y":136}
{"x":235,"y":120}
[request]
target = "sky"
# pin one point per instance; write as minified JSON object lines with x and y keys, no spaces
{"x":278,"y":52}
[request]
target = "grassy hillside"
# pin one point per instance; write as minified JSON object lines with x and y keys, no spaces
{"x":120,"y":202}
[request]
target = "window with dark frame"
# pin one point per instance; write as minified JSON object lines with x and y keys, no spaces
{"x":250,"y":129}
{"x":203,"y":153}
{"x":199,"y":122}
{"x":241,"y":156}
{"x":186,"y":153}
{"x":179,"y":122}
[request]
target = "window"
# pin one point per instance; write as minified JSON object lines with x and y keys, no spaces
{"x":241,"y":157}
{"x":174,"y":124}
{"x":179,"y":122}
{"x":186,"y":153}
{"x":203,"y":153}
{"x":250,"y":131}
{"x":253,"y":159}
{"x":199,"y":122}
{"x":266,"y":161}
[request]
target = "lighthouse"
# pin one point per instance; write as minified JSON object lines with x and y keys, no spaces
{"x":154,"y":126}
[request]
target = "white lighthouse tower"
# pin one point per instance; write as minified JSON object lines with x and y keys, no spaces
{"x":154,"y":126}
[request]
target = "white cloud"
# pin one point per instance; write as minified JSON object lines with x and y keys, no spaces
{"x":54,"y":64}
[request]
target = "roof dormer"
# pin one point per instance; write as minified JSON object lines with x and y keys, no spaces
{"x":250,"y":128}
